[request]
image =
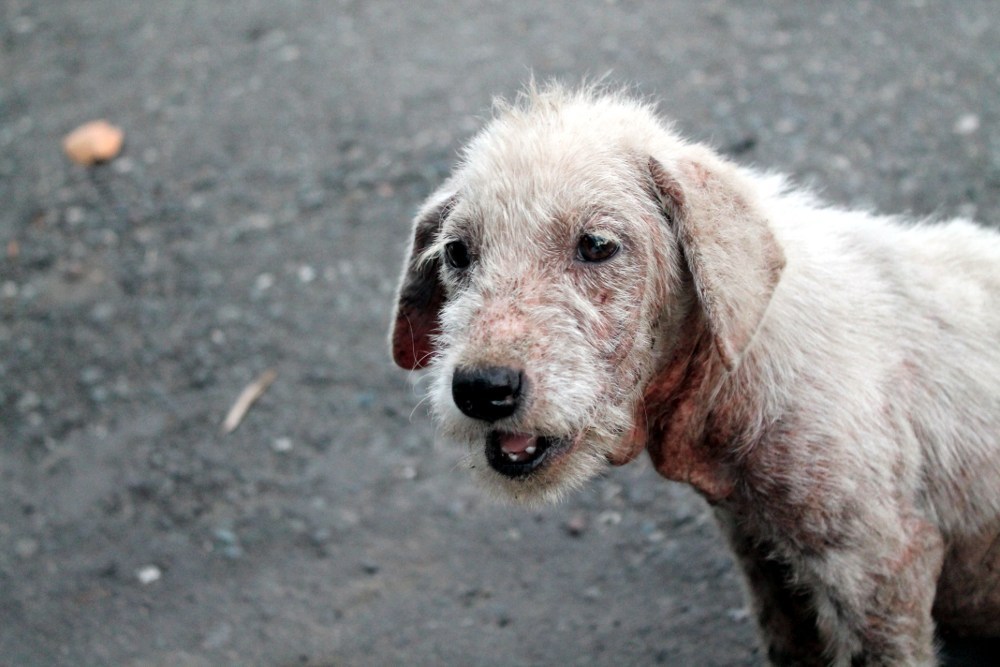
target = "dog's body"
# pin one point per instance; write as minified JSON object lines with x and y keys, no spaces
{"x":587,"y":284}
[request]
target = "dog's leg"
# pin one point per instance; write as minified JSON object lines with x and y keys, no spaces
{"x":785,"y":613}
{"x":874,"y":600}
{"x":868,"y":605}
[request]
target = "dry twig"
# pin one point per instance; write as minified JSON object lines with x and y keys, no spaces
{"x":250,"y":393}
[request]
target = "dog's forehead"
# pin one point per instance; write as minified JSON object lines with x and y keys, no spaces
{"x":544,"y":187}
{"x":560,"y":157}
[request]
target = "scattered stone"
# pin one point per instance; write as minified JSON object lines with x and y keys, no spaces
{"x":366,"y":399}
{"x":124,"y":166}
{"x":225,"y":536}
{"x":91,"y":375}
{"x":102,"y":312}
{"x":29,"y":401}
{"x":94,"y":142}
{"x":264,"y":282}
{"x":609,"y":518}
{"x":503,"y":616}
{"x":26,"y":548}
{"x":407,"y":472}
{"x":228,"y":543}
{"x":259,"y":222}
{"x":75,"y":215}
{"x":576,"y":525}
{"x":148,"y":574}
{"x":648,"y":527}
{"x":282,"y":444}
{"x":311,"y":199}
{"x":23,"y":25}
{"x":738,"y":615}
{"x":99,"y":394}
{"x":966,"y":124}
{"x":218,"y":637}
{"x":320,"y":537}
{"x":307,"y":274}
{"x":289,"y":53}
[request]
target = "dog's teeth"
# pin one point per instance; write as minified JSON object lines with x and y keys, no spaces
{"x":530,"y":449}
{"x":512,"y":456}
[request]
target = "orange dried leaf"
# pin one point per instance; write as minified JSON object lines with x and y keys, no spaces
{"x":93,"y":142}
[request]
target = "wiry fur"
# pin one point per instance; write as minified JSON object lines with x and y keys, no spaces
{"x":829,"y":380}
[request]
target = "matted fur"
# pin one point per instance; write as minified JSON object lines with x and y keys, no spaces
{"x":829,"y":380}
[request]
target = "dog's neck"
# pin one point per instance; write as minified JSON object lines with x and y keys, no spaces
{"x":683,"y":428}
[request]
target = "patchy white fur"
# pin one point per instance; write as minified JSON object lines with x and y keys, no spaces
{"x":865,"y":383}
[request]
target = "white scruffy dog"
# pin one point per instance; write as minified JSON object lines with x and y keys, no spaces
{"x":587,"y":284}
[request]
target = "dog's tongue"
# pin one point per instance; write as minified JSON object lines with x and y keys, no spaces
{"x":517,"y":443}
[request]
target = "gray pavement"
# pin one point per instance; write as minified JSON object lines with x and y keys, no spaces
{"x":274,"y":154}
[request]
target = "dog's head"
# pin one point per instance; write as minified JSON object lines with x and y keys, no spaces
{"x":549,"y":281}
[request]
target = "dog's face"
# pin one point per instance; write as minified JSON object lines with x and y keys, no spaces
{"x":548,"y":314}
{"x":545,"y":283}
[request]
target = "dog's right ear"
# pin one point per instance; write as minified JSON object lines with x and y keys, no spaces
{"x":420,"y":294}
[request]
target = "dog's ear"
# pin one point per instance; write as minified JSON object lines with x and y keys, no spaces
{"x":420,"y":294}
{"x":733,"y":257}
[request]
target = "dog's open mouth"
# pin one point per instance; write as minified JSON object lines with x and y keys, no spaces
{"x":518,"y":454}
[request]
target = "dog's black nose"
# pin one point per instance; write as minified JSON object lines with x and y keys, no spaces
{"x":486,"y":393}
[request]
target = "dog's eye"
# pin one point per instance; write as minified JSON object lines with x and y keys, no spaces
{"x":456,"y":253}
{"x":593,"y":248}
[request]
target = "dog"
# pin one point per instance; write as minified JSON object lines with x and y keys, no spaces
{"x":587,"y":285}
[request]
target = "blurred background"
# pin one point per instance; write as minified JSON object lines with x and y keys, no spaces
{"x":255,"y":222}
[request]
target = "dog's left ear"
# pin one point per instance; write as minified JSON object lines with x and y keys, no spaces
{"x":732,"y":255}
{"x":420,"y":294}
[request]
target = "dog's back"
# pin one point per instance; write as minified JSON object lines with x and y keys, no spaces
{"x":892,"y":330}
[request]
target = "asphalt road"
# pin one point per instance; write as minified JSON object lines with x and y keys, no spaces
{"x":256,"y":220}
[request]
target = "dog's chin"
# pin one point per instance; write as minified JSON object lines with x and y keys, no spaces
{"x":533,"y":469}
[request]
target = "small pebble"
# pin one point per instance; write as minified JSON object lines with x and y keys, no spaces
{"x":26,"y":547}
{"x":307,"y":274}
{"x":228,"y":543}
{"x":265,"y":281}
{"x":966,"y":124}
{"x":282,"y":444}
{"x":576,"y":525}
{"x":75,"y":215}
{"x":124,"y":166}
{"x":320,"y":537}
{"x":29,"y":401}
{"x":91,"y":375}
{"x":609,"y":518}
{"x":23,"y":25}
{"x":218,"y":637}
{"x":148,"y":574}
{"x":225,"y":536}
{"x":366,"y":399}
{"x":738,"y":615}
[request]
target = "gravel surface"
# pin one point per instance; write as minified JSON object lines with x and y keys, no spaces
{"x":274,"y":153}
